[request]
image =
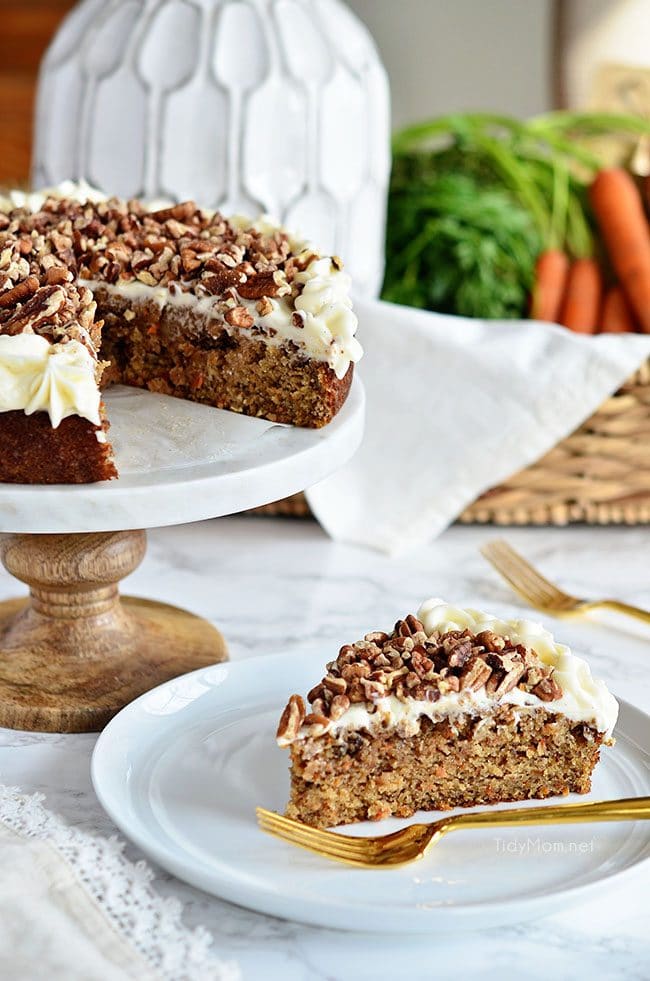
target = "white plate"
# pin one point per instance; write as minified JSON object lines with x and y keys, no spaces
{"x":181,"y":769}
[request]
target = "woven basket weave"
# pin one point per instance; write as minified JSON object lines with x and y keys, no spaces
{"x":599,"y":475}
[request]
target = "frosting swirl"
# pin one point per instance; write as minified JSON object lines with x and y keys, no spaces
{"x":37,"y":376}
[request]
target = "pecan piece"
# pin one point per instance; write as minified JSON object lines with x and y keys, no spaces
{"x":510,"y":679}
{"x":263,"y":284}
{"x":533,"y":676}
{"x":141,"y":260}
{"x":420,"y":662}
{"x":354,"y":672}
{"x":291,"y":721}
{"x":27,"y":288}
{"x":39,"y":309}
{"x":239,"y":317}
{"x":475,"y":674}
{"x":458,"y":652}
{"x":372,"y":689}
{"x":376,"y":637}
{"x":190,"y":261}
{"x":264,"y":306}
{"x":450,"y":683}
{"x":177,"y":229}
{"x":316,"y":692}
{"x":220,"y":281}
{"x":335,"y":684}
{"x":547,"y":690}
{"x":340,"y":705}
{"x":491,"y":641}
{"x":56,"y":275}
{"x":316,"y":724}
{"x":181,"y":212}
{"x":408,"y":626}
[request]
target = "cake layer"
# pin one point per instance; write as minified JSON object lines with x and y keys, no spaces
{"x":509,"y":755}
{"x":177,"y":350}
{"x":34,"y":452}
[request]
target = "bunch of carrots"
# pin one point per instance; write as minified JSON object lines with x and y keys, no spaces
{"x":609,"y":294}
{"x":476,"y":197}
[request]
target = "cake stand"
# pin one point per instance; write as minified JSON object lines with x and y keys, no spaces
{"x":74,"y":652}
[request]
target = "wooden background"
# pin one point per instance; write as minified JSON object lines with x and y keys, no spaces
{"x":26,"y":27}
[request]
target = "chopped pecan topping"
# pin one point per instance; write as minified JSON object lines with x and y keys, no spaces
{"x":409,"y":664}
{"x":181,"y":248}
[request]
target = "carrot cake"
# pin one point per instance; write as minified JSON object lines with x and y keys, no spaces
{"x":452,"y":708}
{"x":233,"y":313}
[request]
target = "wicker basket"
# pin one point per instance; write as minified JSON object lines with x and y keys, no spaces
{"x":599,"y":475}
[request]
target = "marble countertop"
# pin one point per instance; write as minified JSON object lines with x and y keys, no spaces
{"x":286,"y":584}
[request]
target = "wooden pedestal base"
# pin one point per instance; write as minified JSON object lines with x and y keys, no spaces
{"x":74,"y":654}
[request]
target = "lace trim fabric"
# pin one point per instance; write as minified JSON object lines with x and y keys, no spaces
{"x":150,"y":923}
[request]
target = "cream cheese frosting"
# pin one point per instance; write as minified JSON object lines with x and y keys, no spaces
{"x":34,"y":200}
{"x":584,"y":699}
{"x":326,"y":324}
{"x":37,"y":376}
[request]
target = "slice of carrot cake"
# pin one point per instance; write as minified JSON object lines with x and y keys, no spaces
{"x":452,"y":708}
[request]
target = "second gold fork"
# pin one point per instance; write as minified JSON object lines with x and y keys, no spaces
{"x":544,"y":595}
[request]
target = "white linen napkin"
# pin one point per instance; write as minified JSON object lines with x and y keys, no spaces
{"x":455,"y":406}
{"x":73,"y":907}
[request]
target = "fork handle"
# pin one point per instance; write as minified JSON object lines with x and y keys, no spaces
{"x":630,"y":809}
{"x":625,"y":608}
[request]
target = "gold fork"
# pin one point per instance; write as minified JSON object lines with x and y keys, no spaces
{"x":412,"y":842}
{"x":544,"y":595}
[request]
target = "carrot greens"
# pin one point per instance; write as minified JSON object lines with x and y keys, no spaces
{"x":476,"y":198}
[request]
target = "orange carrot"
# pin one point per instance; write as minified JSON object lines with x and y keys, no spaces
{"x":581,"y":305}
{"x":619,"y":209}
{"x":616,"y":316}
{"x":646,"y":190}
{"x":551,"y":271}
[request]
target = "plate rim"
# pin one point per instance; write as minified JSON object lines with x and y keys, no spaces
{"x":277,"y":904}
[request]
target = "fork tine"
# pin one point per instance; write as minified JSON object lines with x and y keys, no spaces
{"x":516,"y":585}
{"x":309,"y":846}
{"x":321,"y":840}
{"x":291,"y":825}
{"x":533,"y":582}
{"x":519,"y":564}
{"x":398,"y":848}
{"x":323,"y":847}
{"x":313,"y":845}
{"x":396,"y":855}
{"x":522,"y":583}
{"x":365,"y":844}
{"x":523,"y":577}
{"x":311,"y":836}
